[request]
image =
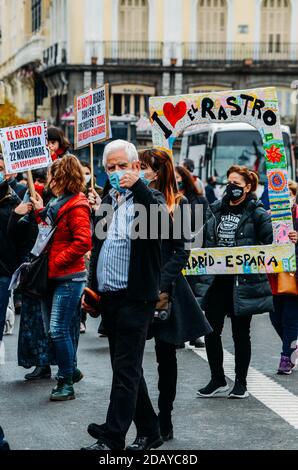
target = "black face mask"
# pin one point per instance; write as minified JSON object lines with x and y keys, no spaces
{"x":234,"y":192}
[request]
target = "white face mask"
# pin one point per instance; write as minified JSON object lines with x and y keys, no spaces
{"x":87,"y":178}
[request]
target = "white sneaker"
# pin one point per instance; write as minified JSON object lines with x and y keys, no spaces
{"x":2,"y":353}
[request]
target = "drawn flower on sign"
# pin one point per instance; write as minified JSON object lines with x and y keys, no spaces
{"x":274,"y":154}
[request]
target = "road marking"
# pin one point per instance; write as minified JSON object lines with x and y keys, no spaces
{"x":273,"y":395}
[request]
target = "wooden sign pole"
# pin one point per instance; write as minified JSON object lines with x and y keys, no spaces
{"x":92,"y":165}
{"x":31,"y":184}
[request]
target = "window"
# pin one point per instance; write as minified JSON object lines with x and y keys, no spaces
{"x":211,"y":27}
{"x":275,"y":21}
{"x":133,"y":20}
{"x":36,"y":14}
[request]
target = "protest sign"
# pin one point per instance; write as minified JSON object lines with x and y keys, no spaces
{"x":242,"y":260}
{"x":25,"y":147}
{"x":92,"y":117}
{"x":171,"y":115}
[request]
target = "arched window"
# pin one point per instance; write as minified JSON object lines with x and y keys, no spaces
{"x":275,"y":26}
{"x":133,"y":20}
{"x":212,"y":21}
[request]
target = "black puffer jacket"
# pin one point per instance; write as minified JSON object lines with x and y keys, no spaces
{"x":252,"y":292}
{"x":8,"y":253}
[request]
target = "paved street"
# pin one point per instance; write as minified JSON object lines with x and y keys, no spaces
{"x":32,"y":422}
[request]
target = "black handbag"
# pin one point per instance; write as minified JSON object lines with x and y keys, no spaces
{"x":34,"y":276}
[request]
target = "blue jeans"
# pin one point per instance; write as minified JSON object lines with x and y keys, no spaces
{"x":4,"y":299}
{"x":59,"y":311}
{"x":285,"y":321}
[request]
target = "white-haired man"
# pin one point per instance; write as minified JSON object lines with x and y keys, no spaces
{"x":125,"y":272}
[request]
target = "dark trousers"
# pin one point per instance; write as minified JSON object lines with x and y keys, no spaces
{"x":285,"y":321}
{"x":167,"y":382}
{"x":220,"y":304}
{"x":126,"y":323}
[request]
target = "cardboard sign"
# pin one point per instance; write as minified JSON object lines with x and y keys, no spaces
{"x":242,"y":260}
{"x":25,"y":147}
{"x":171,"y":115}
{"x":92,"y":117}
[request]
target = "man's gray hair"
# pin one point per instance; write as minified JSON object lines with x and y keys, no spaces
{"x":120,"y":144}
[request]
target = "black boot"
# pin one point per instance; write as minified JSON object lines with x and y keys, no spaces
{"x":166,"y":426}
{"x":39,"y":373}
{"x":63,"y":390}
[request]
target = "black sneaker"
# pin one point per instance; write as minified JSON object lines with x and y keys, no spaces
{"x":239,"y":391}
{"x":213,"y":389}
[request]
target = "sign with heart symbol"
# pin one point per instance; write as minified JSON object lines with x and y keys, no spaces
{"x":173,"y":113}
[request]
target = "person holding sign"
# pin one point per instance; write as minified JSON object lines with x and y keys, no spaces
{"x":69,"y":216}
{"x":239,"y":219}
{"x":8,"y":255}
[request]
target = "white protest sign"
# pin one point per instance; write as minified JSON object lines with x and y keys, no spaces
{"x":92,"y":117}
{"x":25,"y":147}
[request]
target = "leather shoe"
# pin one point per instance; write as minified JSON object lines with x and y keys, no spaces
{"x":99,"y":445}
{"x":145,"y":443}
{"x":95,"y":430}
{"x":39,"y":373}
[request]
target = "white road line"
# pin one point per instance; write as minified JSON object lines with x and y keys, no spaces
{"x":271,"y":394}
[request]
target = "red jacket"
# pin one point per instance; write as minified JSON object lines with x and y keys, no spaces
{"x":71,"y":239}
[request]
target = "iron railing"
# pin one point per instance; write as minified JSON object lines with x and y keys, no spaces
{"x":200,"y":53}
{"x":133,"y":52}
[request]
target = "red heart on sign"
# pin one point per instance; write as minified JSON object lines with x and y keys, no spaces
{"x":174,"y":113}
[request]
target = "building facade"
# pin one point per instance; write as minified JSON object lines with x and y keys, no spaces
{"x":51,"y":50}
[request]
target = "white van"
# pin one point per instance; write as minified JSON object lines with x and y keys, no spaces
{"x":215,"y":147}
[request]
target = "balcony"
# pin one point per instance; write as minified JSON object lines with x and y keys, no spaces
{"x":55,"y":55}
{"x":198,"y":54}
{"x":133,"y":53}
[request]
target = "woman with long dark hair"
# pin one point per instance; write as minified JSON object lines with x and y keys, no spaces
{"x":192,"y":193}
{"x":198,"y":205}
{"x":186,"y":318}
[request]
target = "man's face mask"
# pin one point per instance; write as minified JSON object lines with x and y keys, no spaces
{"x":114,"y":179}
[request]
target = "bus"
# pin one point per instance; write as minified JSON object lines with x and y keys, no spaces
{"x":215,"y":147}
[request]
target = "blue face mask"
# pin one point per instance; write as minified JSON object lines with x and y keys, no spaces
{"x":181,"y":185}
{"x":144,"y":179}
{"x":1,"y":177}
{"x":114,"y":179}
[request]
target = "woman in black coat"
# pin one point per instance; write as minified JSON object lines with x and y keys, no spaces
{"x":186,"y":318}
{"x":198,"y":205}
{"x":237,"y":220}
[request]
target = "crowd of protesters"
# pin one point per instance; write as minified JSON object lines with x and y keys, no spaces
{"x":135,"y":284}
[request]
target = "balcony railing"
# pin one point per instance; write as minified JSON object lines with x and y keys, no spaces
{"x":55,"y":55}
{"x":133,"y":52}
{"x":212,"y":53}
